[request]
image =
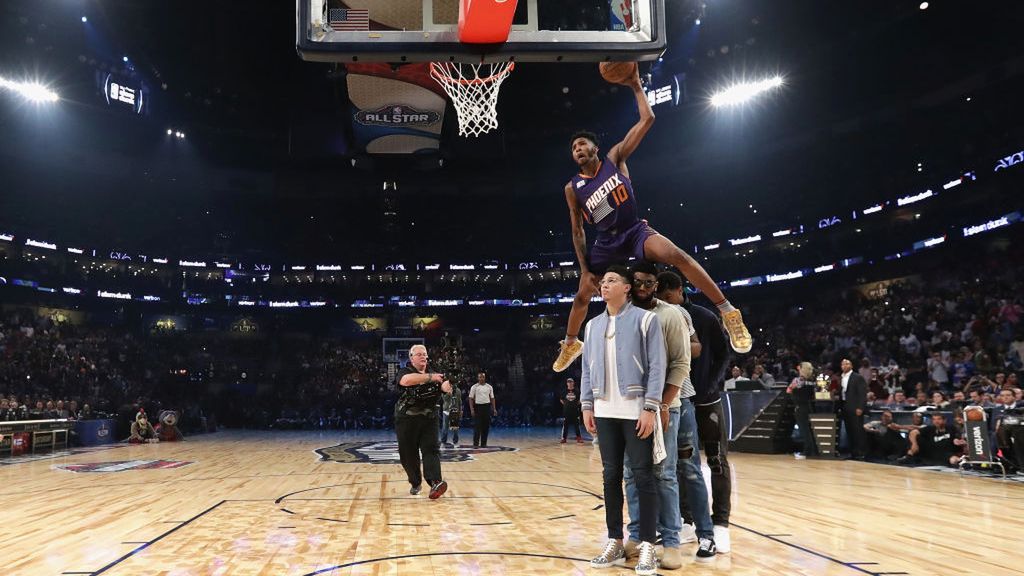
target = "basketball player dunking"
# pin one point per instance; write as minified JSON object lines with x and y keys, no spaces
{"x":602,"y":195}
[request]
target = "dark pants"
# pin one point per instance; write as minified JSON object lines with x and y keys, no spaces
{"x":803,"y":421}
{"x":715,"y":439}
{"x":418,"y":434}
{"x":1010,"y":440}
{"x":571,"y":420}
{"x":854,"y":431}
{"x":481,"y":424}
{"x":887,"y":445}
{"x":618,"y":438}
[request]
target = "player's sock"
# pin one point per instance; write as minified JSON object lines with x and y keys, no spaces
{"x":724,"y":306}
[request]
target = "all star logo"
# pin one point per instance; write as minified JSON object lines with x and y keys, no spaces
{"x":397,"y":115}
{"x":387,"y":453}
{"x":121,"y":466}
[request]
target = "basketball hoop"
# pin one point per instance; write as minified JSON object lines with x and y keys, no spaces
{"x":473,"y":89}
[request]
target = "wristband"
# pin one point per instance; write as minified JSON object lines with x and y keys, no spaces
{"x":664,"y":407}
{"x":649,"y":409}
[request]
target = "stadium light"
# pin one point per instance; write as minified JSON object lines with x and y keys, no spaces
{"x":84,"y":19}
{"x":32,"y":91}
{"x":740,"y":93}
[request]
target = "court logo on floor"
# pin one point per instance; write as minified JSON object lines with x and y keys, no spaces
{"x":123,"y":465}
{"x":387,"y":452}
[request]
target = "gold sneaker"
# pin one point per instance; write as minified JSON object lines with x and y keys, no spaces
{"x":739,"y":337}
{"x":569,"y":352}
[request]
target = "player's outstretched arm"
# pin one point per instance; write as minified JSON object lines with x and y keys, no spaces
{"x":622,"y":151}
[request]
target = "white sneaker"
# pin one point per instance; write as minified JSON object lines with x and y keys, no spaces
{"x":722,"y":542}
{"x":688,"y":534}
{"x":799,"y":456}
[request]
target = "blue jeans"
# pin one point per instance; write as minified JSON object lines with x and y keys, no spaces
{"x":691,"y":478}
{"x":445,"y":422}
{"x":669,"y":522}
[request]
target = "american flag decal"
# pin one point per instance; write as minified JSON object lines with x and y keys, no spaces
{"x":347,"y":19}
{"x":603,"y":209}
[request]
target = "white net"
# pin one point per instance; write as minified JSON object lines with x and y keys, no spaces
{"x":473,"y":89}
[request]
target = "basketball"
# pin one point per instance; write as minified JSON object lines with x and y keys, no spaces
{"x":618,"y":72}
{"x":974,"y":414}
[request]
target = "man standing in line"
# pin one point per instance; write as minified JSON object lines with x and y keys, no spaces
{"x":679,"y":427}
{"x":707,"y":369}
{"x":482,"y":407}
{"x":622,"y":384}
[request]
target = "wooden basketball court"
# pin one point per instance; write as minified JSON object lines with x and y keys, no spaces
{"x":263,"y":503}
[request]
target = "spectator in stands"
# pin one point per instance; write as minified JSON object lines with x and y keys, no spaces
{"x":916,"y":423}
{"x":737,"y":376}
{"x":934,"y":445}
{"x":911,"y":345}
{"x":1006,"y":400}
{"x":881,"y":388}
{"x":766,"y":380}
{"x":959,"y":400}
{"x":38,"y":412}
{"x":885,"y":443}
{"x":378,"y":420}
{"x":10,"y":411}
{"x":921,"y":399}
{"x":975,"y":398}
{"x":939,"y":401}
{"x":866,"y":371}
{"x":86,"y":413}
{"x":938,"y":370}
{"x":898,"y":401}
{"x":962,"y":369}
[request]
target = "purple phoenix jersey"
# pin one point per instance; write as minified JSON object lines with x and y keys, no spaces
{"x":607,"y":199}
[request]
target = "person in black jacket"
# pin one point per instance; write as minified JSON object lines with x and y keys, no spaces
{"x":853,"y":392}
{"x":707,"y":368}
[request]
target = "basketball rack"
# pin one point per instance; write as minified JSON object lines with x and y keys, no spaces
{"x":979,"y":448}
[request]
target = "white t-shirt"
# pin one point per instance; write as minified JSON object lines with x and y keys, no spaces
{"x":614,"y":405}
{"x":481,"y":393}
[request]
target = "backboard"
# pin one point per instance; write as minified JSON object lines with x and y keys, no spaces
{"x":427,"y":31}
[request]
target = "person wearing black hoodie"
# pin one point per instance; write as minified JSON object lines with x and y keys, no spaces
{"x":707,"y":368}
